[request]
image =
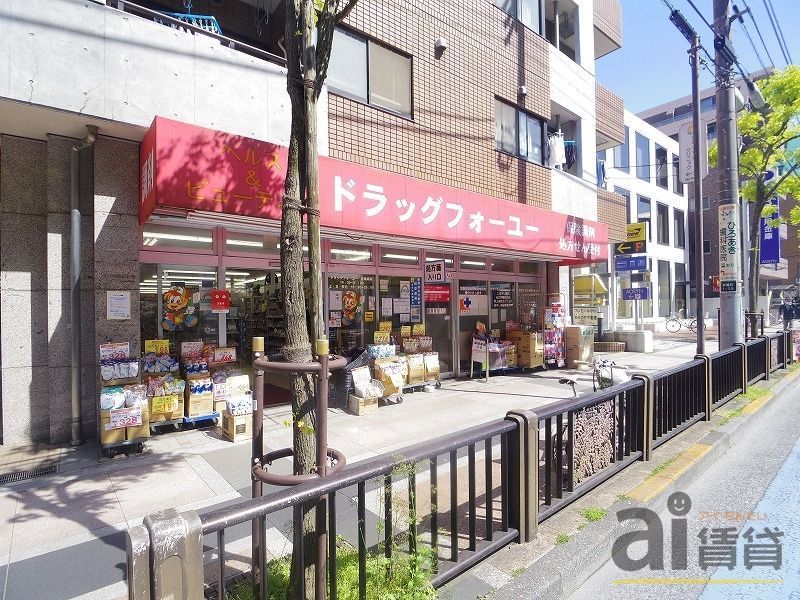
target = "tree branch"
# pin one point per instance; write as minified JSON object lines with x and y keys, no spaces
{"x":782,"y":179}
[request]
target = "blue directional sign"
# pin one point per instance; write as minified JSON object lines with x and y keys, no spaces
{"x":636,"y":293}
{"x":630,"y":263}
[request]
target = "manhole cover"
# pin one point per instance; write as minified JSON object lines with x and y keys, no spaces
{"x":31,"y":474}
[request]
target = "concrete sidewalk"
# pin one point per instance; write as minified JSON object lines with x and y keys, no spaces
{"x":64,"y":534}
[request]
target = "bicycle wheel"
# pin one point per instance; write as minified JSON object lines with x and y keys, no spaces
{"x":673,"y":325}
{"x":693,"y":325}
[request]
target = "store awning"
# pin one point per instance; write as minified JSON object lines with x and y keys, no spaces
{"x":588,"y":285}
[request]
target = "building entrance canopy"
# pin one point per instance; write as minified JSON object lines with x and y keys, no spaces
{"x":189,"y":167}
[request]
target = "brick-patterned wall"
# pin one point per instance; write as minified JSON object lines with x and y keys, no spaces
{"x":451,"y":139}
{"x":608,"y":19}
{"x":610,"y":113}
{"x":611,"y":209}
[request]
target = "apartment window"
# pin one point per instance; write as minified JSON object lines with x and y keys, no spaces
{"x":664,"y":289}
{"x":643,"y":212}
{"x":527,"y":12}
{"x":706,"y":247}
{"x":627,"y":195}
{"x":677,"y":184}
{"x":708,"y":103}
{"x":706,"y":202}
{"x":642,"y":157}
{"x":711,"y":131}
{"x":680,"y":229}
{"x":622,"y":153}
{"x":662,"y":172}
{"x":366,"y":71}
{"x":518,"y":132}
{"x":662,"y":223}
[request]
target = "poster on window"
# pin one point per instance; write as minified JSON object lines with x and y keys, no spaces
{"x":352,"y":307}
{"x":180,"y":308}
{"x":402,"y":305}
{"x":335,"y":300}
{"x":405,"y":289}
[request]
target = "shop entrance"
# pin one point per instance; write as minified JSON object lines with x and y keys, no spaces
{"x":439,"y":323}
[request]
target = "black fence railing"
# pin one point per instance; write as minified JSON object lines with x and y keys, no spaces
{"x":679,"y":399}
{"x":466,"y":494}
{"x":756,"y":356}
{"x":727,"y":375}
{"x":584,"y":442}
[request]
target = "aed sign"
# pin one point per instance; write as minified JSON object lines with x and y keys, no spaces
{"x":729,"y":251}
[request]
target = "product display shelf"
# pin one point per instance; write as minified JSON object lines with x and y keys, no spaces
{"x":211,"y":415}
{"x":109,"y":449}
{"x":155,"y":426}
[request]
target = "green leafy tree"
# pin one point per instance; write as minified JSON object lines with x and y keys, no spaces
{"x":308,"y":41}
{"x":769,"y":137}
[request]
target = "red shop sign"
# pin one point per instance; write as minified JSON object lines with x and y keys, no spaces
{"x":191,"y":167}
{"x":437,"y":293}
{"x":220,"y":301}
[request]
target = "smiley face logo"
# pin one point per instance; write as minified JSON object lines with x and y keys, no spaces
{"x":679,"y":504}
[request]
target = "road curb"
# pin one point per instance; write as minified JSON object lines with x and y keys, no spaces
{"x":563,"y":569}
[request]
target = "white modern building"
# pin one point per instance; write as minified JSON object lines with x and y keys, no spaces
{"x":644,"y":170}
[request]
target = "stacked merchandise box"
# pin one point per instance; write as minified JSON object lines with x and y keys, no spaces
{"x":367,"y":391}
{"x":164,"y":386}
{"x":199,"y":397}
{"x":529,"y":348}
{"x":580,"y":344}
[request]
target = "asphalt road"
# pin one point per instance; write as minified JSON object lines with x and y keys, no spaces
{"x":756,"y":484}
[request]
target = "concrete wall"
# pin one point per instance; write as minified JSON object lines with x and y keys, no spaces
{"x":92,"y":59}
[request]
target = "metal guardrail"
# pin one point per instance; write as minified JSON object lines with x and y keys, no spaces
{"x":727,"y":370}
{"x":584,"y":442}
{"x":756,"y":357}
{"x":547,"y":460}
{"x":679,"y":399}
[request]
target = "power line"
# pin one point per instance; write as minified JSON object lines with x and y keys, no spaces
{"x":753,"y":45}
{"x":758,"y":31}
{"x":775,"y":29}
{"x":780,"y":30}
{"x":697,"y":10}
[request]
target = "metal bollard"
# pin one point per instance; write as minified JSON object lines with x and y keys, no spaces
{"x":176,"y":557}
{"x":138,"y":547}
{"x":524,"y":474}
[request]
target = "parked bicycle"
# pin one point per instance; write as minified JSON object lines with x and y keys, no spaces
{"x":603,"y":375}
{"x":674,"y":323}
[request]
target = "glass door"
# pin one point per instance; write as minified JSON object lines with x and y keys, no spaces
{"x":439,"y":324}
{"x":350,"y":313}
{"x":473,"y":308}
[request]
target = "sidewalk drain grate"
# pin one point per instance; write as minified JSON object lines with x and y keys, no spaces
{"x":24,"y":475}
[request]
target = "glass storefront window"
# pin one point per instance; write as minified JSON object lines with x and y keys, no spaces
{"x":351,"y":312}
{"x":256,"y":311}
{"x":503,"y":305}
{"x":400,"y":301}
{"x":394,"y":256}
{"x":529,"y":268}
{"x":182,"y":313}
{"x":472,"y":263}
{"x":251,"y":243}
{"x":351,"y":253}
{"x":502,"y":266}
{"x":530,"y":306}
{"x":160,"y":237}
{"x":449,"y":259}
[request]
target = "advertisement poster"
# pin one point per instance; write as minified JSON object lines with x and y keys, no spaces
{"x":771,"y":236}
{"x":352,"y":307}
{"x":335,"y":300}
{"x":156,"y":347}
{"x":386,"y":307}
{"x":416,"y":292}
{"x":402,"y":305}
{"x":118,"y":305}
{"x":502,"y":297}
{"x":335,"y":318}
{"x":405,"y":289}
{"x":116,"y":351}
{"x":180,"y":309}
{"x":416,"y":314}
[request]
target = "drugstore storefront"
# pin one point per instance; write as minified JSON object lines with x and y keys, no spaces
{"x":394,"y":249}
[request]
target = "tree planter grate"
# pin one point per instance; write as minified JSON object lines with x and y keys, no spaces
{"x":25,"y":475}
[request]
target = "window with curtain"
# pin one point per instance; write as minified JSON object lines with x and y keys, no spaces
{"x":680,"y":229}
{"x":643,"y":213}
{"x":622,"y":153}
{"x":642,"y":157}
{"x":370,"y":72}
{"x":518,"y":132}
{"x":662,"y":170}
{"x":662,"y":223}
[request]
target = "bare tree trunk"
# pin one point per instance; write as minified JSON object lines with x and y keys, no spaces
{"x":754,"y":268}
{"x":297,"y":345}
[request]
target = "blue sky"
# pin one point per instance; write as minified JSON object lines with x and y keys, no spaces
{"x":652,"y":66}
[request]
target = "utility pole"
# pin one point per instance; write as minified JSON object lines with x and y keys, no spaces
{"x":730,"y":267}
{"x":697,"y":178}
